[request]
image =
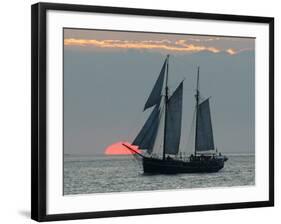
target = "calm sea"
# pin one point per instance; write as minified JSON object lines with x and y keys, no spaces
{"x":100,"y":174}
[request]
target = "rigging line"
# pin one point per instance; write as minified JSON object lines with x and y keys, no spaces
{"x":137,"y":160}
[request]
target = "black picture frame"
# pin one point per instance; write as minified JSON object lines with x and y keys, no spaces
{"x":38,"y":108}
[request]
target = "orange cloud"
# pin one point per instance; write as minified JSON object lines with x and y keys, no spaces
{"x":176,"y":46}
{"x":231,"y":51}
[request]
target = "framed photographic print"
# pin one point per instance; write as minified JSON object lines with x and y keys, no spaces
{"x":139,"y":111}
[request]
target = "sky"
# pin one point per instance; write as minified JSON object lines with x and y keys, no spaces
{"x":108,"y":76}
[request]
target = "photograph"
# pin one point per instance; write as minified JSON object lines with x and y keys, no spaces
{"x":135,"y":105}
{"x":154,"y":111}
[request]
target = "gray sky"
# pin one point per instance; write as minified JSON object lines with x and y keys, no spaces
{"x":109,"y":75}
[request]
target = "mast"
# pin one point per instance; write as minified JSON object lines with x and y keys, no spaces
{"x":166,"y":108}
{"x":197,"y":107}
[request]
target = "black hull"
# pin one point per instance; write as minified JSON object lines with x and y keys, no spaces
{"x":172,"y":166}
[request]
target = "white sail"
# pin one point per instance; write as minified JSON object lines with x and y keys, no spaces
{"x":204,"y":135}
{"x":173,"y":121}
{"x":155,"y":95}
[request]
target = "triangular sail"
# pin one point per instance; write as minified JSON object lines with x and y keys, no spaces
{"x":155,"y":95}
{"x":173,"y":121}
{"x":147,"y":135}
{"x":205,"y":140}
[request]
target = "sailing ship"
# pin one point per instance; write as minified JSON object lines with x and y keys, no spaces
{"x":205,"y":158}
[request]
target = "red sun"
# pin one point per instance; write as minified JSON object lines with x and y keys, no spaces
{"x":119,"y":149}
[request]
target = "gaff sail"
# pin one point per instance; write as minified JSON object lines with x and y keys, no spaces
{"x":204,"y":135}
{"x":173,"y":121}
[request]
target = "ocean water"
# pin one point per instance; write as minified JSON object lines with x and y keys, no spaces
{"x":101,"y":174}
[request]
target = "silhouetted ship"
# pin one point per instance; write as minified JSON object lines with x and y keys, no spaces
{"x":168,"y":109}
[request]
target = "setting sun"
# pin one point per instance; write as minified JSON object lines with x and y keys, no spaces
{"x":119,"y":149}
